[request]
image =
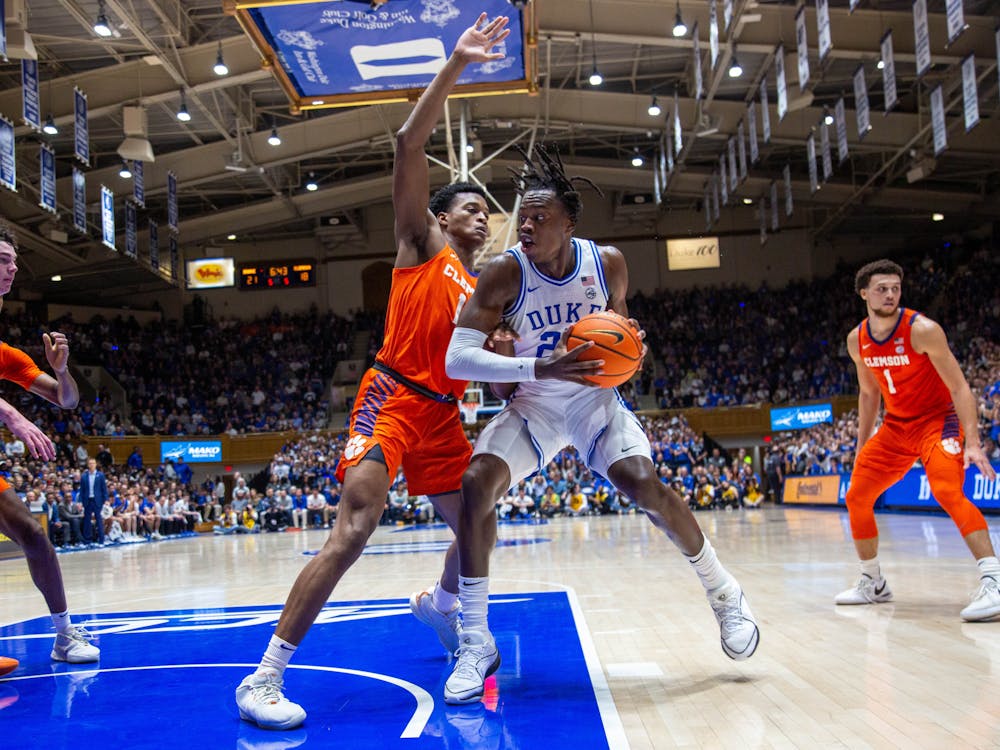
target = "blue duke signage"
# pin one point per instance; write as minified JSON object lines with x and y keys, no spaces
{"x":205,"y":451}
{"x":914,"y":491}
{"x":799,"y":417}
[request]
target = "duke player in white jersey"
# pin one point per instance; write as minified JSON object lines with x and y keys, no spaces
{"x":538,"y":288}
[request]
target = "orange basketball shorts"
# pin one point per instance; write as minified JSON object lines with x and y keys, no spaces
{"x":938,"y":442}
{"x":423,"y":436}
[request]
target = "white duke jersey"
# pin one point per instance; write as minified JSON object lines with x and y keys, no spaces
{"x":545,"y":307}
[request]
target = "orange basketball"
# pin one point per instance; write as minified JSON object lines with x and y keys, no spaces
{"x":7,"y":665}
{"x":615,"y":341}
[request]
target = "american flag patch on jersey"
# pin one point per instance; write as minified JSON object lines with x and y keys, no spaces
{"x":587,"y":280}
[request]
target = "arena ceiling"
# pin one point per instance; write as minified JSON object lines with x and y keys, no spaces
{"x":232,"y":180}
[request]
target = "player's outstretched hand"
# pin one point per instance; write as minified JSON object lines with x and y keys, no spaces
{"x":36,"y":441}
{"x":567,"y":365}
{"x":477,"y":41}
{"x":974,"y":456}
{"x":56,"y":350}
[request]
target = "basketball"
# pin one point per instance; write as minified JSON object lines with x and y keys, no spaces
{"x":7,"y":665}
{"x":615,"y":341}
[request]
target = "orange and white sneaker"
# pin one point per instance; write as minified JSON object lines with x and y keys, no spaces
{"x":261,"y":701}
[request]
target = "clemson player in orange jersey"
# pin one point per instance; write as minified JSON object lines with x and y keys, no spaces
{"x":903,"y":358}
{"x":406,"y":411}
{"x":16,"y":522}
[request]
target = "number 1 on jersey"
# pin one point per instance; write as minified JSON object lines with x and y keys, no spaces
{"x":462,"y":299}
{"x":888,"y":380}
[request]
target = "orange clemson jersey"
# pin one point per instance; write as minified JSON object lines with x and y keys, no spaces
{"x":424,"y":303}
{"x":17,"y":367}
{"x":910,"y":385}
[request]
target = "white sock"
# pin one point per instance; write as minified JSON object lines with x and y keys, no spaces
{"x":444,"y":601}
{"x":62,"y":622}
{"x":474,"y":593}
{"x":989,"y":567}
{"x":871,"y":569}
{"x":708,"y":568}
{"x":278,"y":653}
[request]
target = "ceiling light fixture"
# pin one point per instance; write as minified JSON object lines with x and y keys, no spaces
{"x":637,"y":160}
{"x":311,"y":186}
{"x":182,"y":112}
{"x":49,"y":128}
{"x":274,"y":139}
{"x":735,"y":69}
{"x":57,"y":277}
{"x":101,"y":25}
{"x":828,"y":118}
{"x":654,"y":108}
{"x":748,"y":201}
{"x":124,"y":172}
{"x":596,"y":79}
{"x":880,"y":64}
{"x":220,"y":68}
{"x":937,"y":217}
{"x":679,"y":28}
{"x":230,"y":237}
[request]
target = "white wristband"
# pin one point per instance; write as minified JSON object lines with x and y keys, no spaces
{"x":467,"y":360}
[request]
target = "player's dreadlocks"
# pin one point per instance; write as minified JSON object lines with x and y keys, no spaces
{"x":546,"y":172}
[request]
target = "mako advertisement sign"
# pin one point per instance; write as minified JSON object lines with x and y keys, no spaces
{"x":204,"y":451}
{"x":800,"y":417}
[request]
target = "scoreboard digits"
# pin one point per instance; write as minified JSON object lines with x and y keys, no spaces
{"x":282,"y":274}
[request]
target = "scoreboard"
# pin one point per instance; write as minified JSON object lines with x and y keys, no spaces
{"x":279,"y":274}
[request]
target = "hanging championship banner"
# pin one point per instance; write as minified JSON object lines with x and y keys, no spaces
{"x":765,"y":115}
{"x":774,"y":206}
{"x":657,"y":190}
{"x":727,"y":13}
{"x":47,"y":163}
{"x":762,"y":213}
{"x":970,"y":92}
{"x":921,"y":37}
{"x":8,"y":162}
{"x":707,"y":205}
{"x":888,"y":72}
{"x":713,"y":32}
{"x":937,"y":121}
{"x":172,"y":201}
{"x":138,"y":184}
{"x":79,"y":201}
{"x":840,"y":122}
{"x":861,"y":102}
{"x":175,"y":259}
{"x":81,"y":128}
{"x":788,"y":190}
{"x":853,"y":5}
{"x":678,"y":136}
{"x":779,"y":71}
{"x":30,"y":111}
{"x":996,"y":40}
{"x":823,"y":28}
{"x":723,"y":180}
{"x":3,"y":31}
{"x":811,"y":153}
{"x":715,"y":197}
{"x":734,"y":179}
{"x":802,"y":47}
{"x":131,"y":233}
{"x":752,"y":131}
{"x":154,"y":246}
{"x":741,"y":148}
{"x":697,"y":62}
{"x":956,"y":19}
{"x":107,"y":217}
{"x":669,"y":148}
{"x":824,"y":149}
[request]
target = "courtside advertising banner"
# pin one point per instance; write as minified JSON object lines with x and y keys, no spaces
{"x":826,"y":489}
{"x":691,"y":253}
{"x":193,"y":452}
{"x":800,"y":417}
{"x":914,"y":491}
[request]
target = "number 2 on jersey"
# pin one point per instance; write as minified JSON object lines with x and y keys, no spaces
{"x":550,"y":340}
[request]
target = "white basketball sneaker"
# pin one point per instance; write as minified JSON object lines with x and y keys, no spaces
{"x":866,"y":591}
{"x":75,"y":647}
{"x":739,"y":634}
{"x":478,"y":658}
{"x":261,"y":701}
{"x":985,"y":602}
{"x":447,"y":625}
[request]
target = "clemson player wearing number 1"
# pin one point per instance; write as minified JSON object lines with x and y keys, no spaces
{"x":902,"y":357}
{"x":406,"y":411}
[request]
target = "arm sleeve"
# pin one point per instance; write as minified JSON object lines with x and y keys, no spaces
{"x":467,"y":360}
